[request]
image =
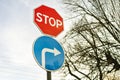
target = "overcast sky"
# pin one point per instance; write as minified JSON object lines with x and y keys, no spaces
{"x":17,"y":34}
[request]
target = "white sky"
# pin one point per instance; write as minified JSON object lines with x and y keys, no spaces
{"x":17,"y":34}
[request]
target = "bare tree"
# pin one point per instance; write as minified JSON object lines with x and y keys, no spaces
{"x":92,"y":46}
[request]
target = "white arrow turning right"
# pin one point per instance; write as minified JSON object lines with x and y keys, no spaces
{"x":54,"y":51}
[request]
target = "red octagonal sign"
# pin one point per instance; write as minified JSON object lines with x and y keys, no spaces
{"x":48,"y":20}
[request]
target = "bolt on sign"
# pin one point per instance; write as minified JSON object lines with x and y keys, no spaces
{"x":48,"y":20}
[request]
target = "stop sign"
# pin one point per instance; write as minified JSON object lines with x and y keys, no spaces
{"x":48,"y":20}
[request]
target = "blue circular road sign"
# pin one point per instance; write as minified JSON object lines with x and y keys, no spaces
{"x":48,"y":53}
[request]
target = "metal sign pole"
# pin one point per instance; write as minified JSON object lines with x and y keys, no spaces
{"x":48,"y":75}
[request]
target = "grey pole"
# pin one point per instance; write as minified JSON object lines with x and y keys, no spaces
{"x":48,"y":75}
